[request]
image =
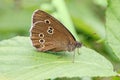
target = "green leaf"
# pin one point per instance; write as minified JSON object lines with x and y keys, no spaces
{"x":113,"y":25}
{"x":85,"y":18}
{"x":62,"y":10}
{"x":20,"y":61}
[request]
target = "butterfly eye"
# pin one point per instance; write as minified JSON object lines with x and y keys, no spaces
{"x":50,"y":31}
{"x":47,"y":21}
{"x":42,"y":41}
{"x":42,"y":46}
{"x":50,"y":28}
{"x":41,"y":35}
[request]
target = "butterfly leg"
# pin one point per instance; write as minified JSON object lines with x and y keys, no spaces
{"x":78,"y":51}
{"x":73,"y":57}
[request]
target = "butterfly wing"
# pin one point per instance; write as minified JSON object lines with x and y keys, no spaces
{"x":48,"y":34}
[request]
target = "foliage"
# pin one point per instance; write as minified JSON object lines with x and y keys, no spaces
{"x":20,"y":61}
{"x":113,"y":24}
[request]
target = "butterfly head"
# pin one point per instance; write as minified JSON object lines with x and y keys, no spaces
{"x":78,"y":44}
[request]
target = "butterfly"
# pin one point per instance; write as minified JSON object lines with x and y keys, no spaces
{"x":48,"y":34}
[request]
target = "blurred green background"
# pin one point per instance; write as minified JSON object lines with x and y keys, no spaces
{"x":86,"y":17}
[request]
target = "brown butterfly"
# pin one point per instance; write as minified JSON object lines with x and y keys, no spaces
{"x":48,"y":34}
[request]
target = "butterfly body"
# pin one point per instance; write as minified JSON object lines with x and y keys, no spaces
{"x":48,"y":34}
